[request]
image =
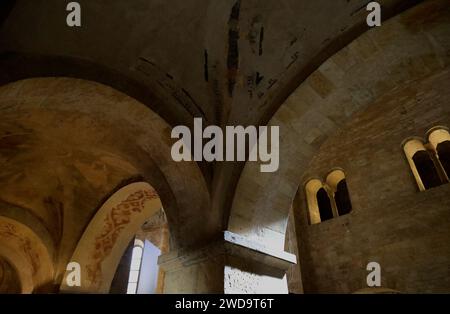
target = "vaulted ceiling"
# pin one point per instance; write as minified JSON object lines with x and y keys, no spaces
{"x":229,"y":62}
{"x":225,"y":61}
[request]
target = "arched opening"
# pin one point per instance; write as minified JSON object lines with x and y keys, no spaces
{"x":105,"y":240}
{"x":312,"y":188}
{"x":439,"y":139}
{"x":324,"y":203}
{"x":9,"y":278}
{"x":337,"y":183}
{"x":94,"y":139}
{"x":443,"y":150}
{"x":342,"y":198}
{"x":426,"y":169}
{"x":422,"y":165}
{"x":26,"y":262}
{"x":138,"y":271}
{"x":135,"y":266}
{"x":320,"y":205}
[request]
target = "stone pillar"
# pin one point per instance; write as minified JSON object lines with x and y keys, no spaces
{"x":231,"y":265}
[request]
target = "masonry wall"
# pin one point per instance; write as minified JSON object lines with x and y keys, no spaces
{"x":406,"y":231}
{"x":293,"y":274}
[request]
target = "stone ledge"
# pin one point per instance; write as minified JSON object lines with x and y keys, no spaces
{"x":232,"y":245}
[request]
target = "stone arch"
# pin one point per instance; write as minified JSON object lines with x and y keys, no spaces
{"x":29,"y":256}
{"x":9,"y":279}
{"x":334,"y":177}
{"x":22,"y":266}
{"x":17,"y":66}
{"x":312,"y":187}
{"x":437,"y":135}
{"x":108,"y":234}
{"x":135,"y":140}
{"x":118,"y":140}
{"x":31,"y":221}
{"x":347,"y":83}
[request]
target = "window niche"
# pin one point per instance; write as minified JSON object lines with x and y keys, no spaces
{"x":327,"y":200}
{"x":439,"y":139}
{"x":429,"y":161}
{"x":336,"y":181}
{"x":324,"y":204}
{"x":313,"y":187}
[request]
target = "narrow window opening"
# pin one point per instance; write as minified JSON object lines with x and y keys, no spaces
{"x":324,"y":204}
{"x":426,"y":169}
{"x":342,"y":198}
{"x":443,"y":150}
{"x":135,"y":268}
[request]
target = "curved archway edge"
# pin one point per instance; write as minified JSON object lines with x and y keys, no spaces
{"x":108,"y":234}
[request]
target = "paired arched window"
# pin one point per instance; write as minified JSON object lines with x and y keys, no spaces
{"x":328,"y":200}
{"x":430,"y":160}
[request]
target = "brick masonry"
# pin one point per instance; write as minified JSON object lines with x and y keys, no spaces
{"x":392,"y":223}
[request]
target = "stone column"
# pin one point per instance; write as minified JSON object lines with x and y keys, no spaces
{"x":231,"y":265}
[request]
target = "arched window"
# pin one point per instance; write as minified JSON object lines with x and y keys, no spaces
{"x":443,"y":151}
{"x":329,"y":200}
{"x":321,"y":198}
{"x":312,"y":189}
{"x":324,"y":203}
{"x":426,"y":168}
{"x":439,"y":139}
{"x":338,"y":185}
{"x":422,"y":165}
{"x":135,"y":268}
{"x":342,"y":198}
